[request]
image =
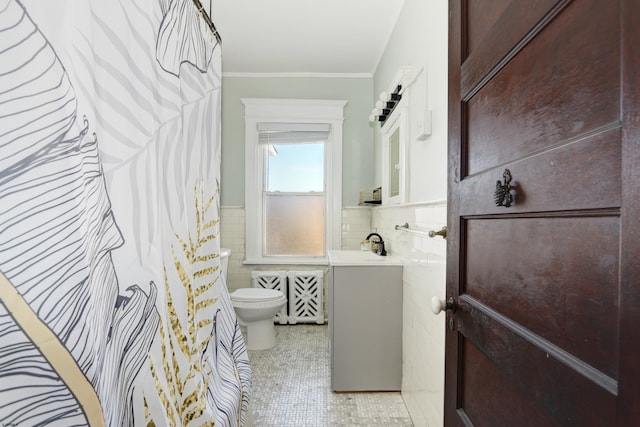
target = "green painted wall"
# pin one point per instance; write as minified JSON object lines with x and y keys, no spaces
{"x":358,"y":148}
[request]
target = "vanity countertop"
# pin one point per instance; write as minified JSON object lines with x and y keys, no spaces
{"x":361,"y":258}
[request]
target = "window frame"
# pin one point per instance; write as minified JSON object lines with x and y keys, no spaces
{"x":261,"y":110}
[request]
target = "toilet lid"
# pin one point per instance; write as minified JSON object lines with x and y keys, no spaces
{"x":255,"y":294}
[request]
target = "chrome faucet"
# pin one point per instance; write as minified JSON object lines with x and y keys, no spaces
{"x":380,"y":251}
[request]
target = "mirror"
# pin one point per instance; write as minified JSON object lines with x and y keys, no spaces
{"x":394,"y":163}
{"x":394,"y":135}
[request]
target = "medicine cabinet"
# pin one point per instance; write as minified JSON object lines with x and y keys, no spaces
{"x":394,"y":137}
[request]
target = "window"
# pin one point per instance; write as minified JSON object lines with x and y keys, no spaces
{"x":294,"y":190}
{"x":293,"y":168}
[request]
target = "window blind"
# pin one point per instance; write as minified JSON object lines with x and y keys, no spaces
{"x":292,"y":133}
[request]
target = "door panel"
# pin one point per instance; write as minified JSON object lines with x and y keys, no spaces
{"x":484,"y":14}
{"x":539,"y":390}
{"x":547,"y":181}
{"x":539,"y":280}
{"x":563,"y":85}
{"x":482,"y":376}
{"x":488,"y":49}
{"x":546,"y":290}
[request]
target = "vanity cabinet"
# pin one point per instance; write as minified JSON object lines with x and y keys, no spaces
{"x":365,"y":322}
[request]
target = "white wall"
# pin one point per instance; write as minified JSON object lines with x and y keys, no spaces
{"x":420,"y":40}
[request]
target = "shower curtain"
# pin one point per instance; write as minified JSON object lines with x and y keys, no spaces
{"x":112,"y":307}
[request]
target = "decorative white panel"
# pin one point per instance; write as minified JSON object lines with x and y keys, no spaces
{"x":272,"y":280}
{"x":305,"y":296}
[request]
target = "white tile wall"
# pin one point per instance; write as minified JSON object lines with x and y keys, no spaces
{"x":356,"y":225}
{"x":232,"y":236}
{"x":423,"y":332}
{"x":424,"y":276}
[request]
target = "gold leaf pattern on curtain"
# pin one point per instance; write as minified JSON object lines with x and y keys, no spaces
{"x":182,"y":376}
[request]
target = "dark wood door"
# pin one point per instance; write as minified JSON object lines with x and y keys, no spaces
{"x":546,"y":329}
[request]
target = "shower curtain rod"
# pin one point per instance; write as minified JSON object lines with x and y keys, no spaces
{"x":208,"y":20}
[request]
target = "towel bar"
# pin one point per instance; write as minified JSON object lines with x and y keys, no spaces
{"x":430,"y":233}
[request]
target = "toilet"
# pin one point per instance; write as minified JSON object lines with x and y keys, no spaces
{"x":255,"y":308}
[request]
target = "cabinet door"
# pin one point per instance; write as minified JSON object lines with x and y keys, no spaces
{"x":394,"y":142}
{"x":367,"y":328}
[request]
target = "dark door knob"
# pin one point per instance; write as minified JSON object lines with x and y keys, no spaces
{"x":502,"y":196}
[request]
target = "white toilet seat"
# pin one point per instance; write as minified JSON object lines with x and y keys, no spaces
{"x":256,"y":295}
{"x":254,"y":308}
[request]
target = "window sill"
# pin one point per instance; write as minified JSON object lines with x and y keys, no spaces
{"x":287,"y":261}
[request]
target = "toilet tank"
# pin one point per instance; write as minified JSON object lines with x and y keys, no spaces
{"x":224,"y":263}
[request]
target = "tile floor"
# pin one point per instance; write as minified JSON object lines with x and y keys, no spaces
{"x":291,"y":387}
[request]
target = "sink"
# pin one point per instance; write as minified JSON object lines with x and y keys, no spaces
{"x":355,"y":257}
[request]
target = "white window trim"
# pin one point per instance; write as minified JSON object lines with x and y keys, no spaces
{"x":260,"y":110}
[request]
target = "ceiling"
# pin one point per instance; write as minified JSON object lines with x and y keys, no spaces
{"x":304,"y":36}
